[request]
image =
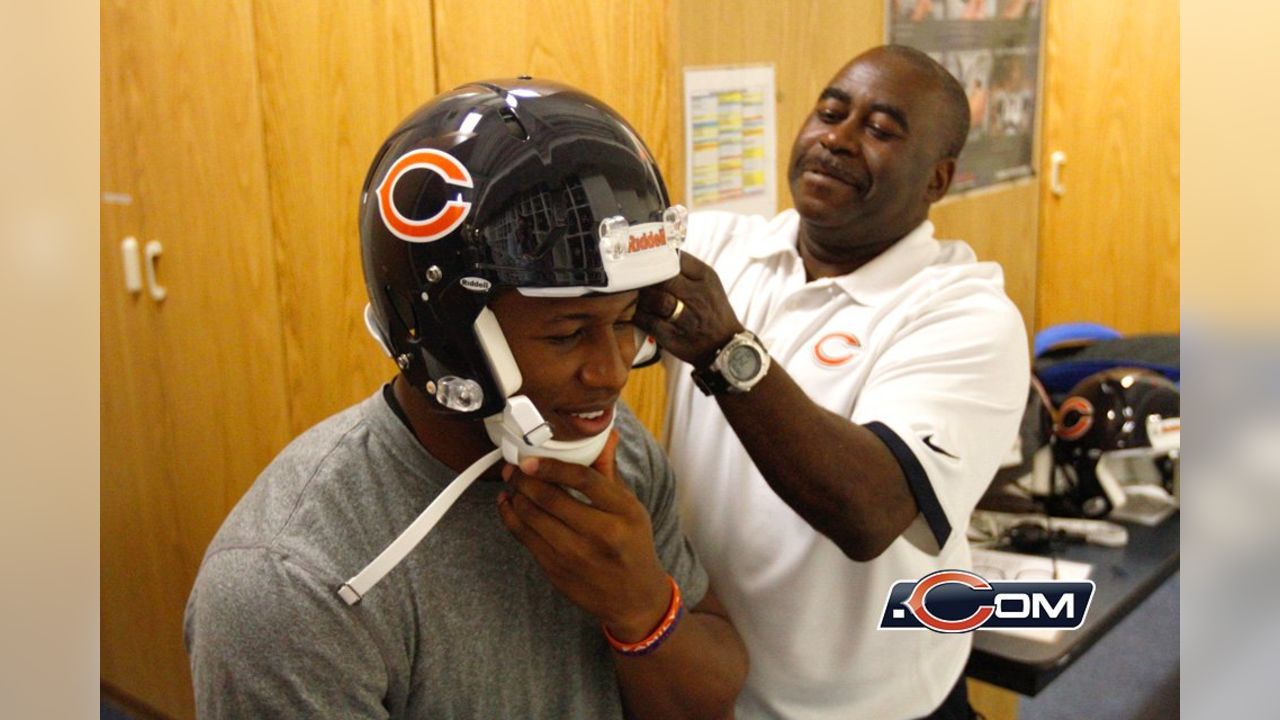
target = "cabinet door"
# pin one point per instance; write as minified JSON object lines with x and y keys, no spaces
{"x":193,"y":391}
{"x":1109,"y":233}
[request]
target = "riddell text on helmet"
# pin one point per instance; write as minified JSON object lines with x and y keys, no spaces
{"x":647,"y":241}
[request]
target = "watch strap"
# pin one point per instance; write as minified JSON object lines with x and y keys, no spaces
{"x":710,"y":381}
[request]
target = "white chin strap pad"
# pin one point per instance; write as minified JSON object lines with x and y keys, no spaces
{"x":521,"y":432}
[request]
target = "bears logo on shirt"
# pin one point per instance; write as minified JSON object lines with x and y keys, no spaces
{"x":835,"y":349}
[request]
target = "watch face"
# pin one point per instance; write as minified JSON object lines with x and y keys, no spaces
{"x":743,"y":363}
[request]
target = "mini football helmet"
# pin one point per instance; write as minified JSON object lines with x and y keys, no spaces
{"x":1110,"y":417}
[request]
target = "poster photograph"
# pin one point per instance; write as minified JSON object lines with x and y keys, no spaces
{"x":993,"y":47}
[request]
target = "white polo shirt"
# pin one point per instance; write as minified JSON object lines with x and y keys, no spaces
{"x":920,"y":344}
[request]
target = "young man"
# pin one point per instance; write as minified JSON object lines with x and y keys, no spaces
{"x":505,"y":227}
{"x":844,"y":445}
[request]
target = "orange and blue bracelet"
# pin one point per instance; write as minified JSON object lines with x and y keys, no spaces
{"x":659,"y":635}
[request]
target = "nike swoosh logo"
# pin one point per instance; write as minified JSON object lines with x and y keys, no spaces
{"x":928,"y":440}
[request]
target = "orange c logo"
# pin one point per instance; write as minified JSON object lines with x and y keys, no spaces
{"x":443,"y":222}
{"x":915,"y":602}
{"x":833,"y":350}
{"x":1083,"y":411}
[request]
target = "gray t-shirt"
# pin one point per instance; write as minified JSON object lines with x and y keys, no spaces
{"x":467,"y":626}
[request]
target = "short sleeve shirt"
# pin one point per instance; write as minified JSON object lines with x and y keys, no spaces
{"x":466,"y":626}
{"x":922,"y":346}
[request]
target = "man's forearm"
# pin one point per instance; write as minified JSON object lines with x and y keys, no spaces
{"x":834,"y":473}
{"x":696,"y":673}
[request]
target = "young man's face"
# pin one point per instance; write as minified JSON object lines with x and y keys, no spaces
{"x":574,"y":353}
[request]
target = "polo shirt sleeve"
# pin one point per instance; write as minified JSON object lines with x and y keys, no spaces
{"x":946,"y":397}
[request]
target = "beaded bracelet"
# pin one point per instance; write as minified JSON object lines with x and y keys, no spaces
{"x":659,"y":634}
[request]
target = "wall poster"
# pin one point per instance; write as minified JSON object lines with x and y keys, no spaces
{"x":993,"y":48}
{"x":731,"y":139}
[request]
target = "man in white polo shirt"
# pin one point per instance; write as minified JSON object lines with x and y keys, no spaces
{"x":854,"y":385}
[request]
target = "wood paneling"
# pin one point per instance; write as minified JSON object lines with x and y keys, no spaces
{"x":613,"y":49}
{"x":807,"y":41}
{"x":1109,"y":246}
{"x":192,"y":388}
{"x":335,"y":80}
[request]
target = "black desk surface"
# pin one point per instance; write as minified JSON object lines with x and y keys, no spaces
{"x":1123,"y":578}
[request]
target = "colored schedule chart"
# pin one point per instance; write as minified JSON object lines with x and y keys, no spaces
{"x":730,"y":145}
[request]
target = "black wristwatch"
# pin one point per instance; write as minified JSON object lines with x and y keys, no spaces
{"x":738,"y":366}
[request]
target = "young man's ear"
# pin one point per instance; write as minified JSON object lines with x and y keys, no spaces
{"x":940,"y":181}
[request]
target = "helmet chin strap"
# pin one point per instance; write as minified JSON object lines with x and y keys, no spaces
{"x":362,"y":582}
{"x":520,"y":432}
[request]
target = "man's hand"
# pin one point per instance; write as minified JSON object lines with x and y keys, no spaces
{"x":705,"y":321}
{"x":599,"y":556}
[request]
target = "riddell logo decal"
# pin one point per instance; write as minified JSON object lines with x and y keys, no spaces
{"x":446,"y":219}
{"x":475,"y":284}
{"x":647,"y":241}
{"x":958,"y":601}
{"x":1075,"y":417}
{"x":835,"y":349}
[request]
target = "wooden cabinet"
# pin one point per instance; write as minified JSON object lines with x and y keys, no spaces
{"x":193,"y":386}
{"x":236,"y":135}
{"x":1109,"y":235}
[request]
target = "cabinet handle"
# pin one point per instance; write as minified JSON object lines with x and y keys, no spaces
{"x":1056,"y":161}
{"x":132,"y":269}
{"x":152,"y":252}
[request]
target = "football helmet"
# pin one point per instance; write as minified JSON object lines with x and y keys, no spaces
{"x":522,"y":184}
{"x":516,"y":183}
{"x":1107,"y":420}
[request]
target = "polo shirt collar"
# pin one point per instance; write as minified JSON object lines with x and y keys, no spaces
{"x":779,"y":237}
{"x":869,"y":284}
{"x":872,"y":283}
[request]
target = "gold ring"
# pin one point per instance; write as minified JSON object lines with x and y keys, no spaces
{"x":675,"y":314}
